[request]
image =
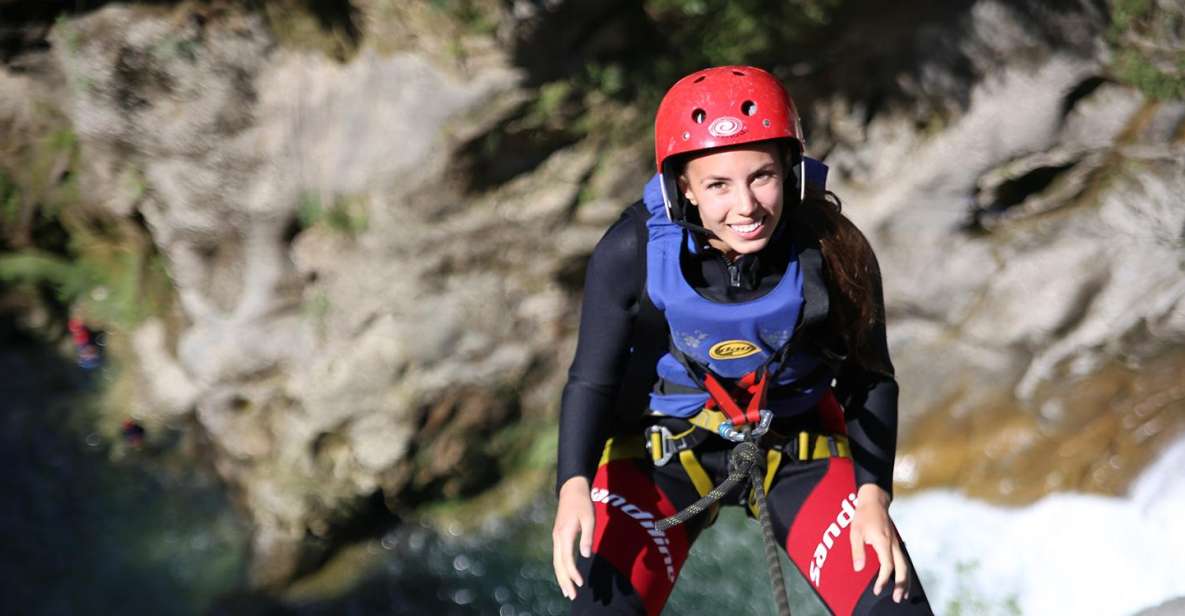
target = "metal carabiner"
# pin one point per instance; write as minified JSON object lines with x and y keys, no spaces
{"x":747,"y":433}
{"x":667,"y":445}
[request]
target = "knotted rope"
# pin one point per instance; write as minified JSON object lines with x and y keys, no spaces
{"x":743,"y":463}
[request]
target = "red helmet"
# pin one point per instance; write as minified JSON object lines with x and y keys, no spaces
{"x":718,"y":107}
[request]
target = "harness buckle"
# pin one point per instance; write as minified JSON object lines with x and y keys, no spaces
{"x":746,"y":433}
{"x":666,"y":444}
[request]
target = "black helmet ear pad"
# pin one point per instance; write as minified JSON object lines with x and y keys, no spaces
{"x":676,"y":203}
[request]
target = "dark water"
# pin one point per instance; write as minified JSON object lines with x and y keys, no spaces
{"x":506,"y":571}
{"x":89,"y":525}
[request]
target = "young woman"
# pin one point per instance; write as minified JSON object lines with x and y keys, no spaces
{"x":733,"y":299}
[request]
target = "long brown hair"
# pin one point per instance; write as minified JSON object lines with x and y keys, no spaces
{"x":852,"y":275}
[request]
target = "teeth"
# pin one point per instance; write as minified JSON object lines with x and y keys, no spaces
{"x":746,"y":228}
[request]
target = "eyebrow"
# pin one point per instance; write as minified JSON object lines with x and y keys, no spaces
{"x":766,"y":167}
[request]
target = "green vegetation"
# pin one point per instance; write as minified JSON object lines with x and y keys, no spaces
{"x":69,"y":280}
{"x":966,"y":600}
{"x":344,"y":215}
{"x":477,"y":16}
{"x":56,"y":248}
{"x":711,"y":32}
{"x":1143,"y":34}
{"x":603,"y":96}
{"x":328,"y":26}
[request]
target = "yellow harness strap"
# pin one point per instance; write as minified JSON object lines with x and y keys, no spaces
{"x":695,"y":470}
{"x":773,"y":459}
{"x":810,"y":447}
{"x":708,"y":419}
{"x":701,"y":481}
{"x":620,"y":448}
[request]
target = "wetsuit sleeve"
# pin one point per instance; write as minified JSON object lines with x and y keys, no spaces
{"x":870,"y":405}
{"x":612,"y":285}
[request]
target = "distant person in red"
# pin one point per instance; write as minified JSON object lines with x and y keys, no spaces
{"x":733,"y":302}
{"x":89,"y":356}
{"x":133,"y":433}
{"x":78,"y":332}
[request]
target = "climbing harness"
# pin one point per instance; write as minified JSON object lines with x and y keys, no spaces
{"x":743,"y":464}
{"x":744,"y":426}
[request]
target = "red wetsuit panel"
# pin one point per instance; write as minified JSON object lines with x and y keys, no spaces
{"x":627,"y":502}
{"x":819,"y":540}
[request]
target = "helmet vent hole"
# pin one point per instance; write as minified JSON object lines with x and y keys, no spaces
{"x":738,"y":73}
{"x":748,"y":108}
{"x":700,"y":78}
{"x":698,"y":116}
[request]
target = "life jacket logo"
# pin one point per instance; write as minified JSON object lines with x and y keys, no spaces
{"x":733,"y":349}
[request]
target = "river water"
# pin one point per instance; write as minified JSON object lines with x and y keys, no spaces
{"x":89,"y":526}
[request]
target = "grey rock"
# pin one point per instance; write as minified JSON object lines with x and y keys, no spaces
{"x":1172,"y":607}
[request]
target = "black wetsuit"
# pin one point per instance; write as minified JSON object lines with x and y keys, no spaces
{"x":622,"y":336}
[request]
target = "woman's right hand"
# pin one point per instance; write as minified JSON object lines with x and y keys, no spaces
{"x":573,"y":515}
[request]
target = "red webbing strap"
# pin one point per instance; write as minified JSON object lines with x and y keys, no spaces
{"x":721,"y":399}
{"x":724,"y":401}
{"x":757,"y":398}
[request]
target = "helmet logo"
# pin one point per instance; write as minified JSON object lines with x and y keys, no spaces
{"x":726,"y":126}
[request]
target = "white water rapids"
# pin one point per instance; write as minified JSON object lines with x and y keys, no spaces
{"x":1064,"y":554}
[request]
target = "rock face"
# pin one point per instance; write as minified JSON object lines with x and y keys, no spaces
{"x":360,"y":315}
{"x":1032,"y":252}
{"x":353,"y":325}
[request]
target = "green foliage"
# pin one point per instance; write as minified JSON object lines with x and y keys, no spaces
{"x":55,"y":248}
{"x":174,"y":46}
{"x":693,"y":34}
{"x":347,"y":216}
{"x":315,"y":308}
{"x":69,"y":280}
{"x":1133,"y":67}
{"x":70,"y":35}
{"x":1144,"y":35}
{"x":476,"y":16}
{"x":121,"y":288}
{"x":10,"y":202}
{"x":327,"y":26}
{"x":1127,"y":13}
{"x":715,"y":32}
{"x":966,"y":600}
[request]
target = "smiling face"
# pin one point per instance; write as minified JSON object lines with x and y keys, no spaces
{"x":738,"y":192}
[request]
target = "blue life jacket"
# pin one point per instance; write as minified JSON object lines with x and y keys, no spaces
{"x":731,"y":339}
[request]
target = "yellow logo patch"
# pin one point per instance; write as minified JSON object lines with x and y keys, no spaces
{"x":732,"y":349}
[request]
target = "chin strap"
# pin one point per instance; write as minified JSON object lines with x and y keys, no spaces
{"x":696,"y":228}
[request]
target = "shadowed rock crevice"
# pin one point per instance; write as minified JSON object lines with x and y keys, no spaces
{"x":997,"y":198}
{"x":1081,"y":92}
{"x":558,"y":40}
{"x":515,"y":147}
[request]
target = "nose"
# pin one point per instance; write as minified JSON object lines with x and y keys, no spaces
{"x":746,"y":202}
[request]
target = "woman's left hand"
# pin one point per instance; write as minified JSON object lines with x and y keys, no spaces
{"x":872,"y":526}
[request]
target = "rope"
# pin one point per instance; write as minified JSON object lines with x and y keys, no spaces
{"x":741,"y":460}
{"x":743,"y":464}
{"x":771,"y":551}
